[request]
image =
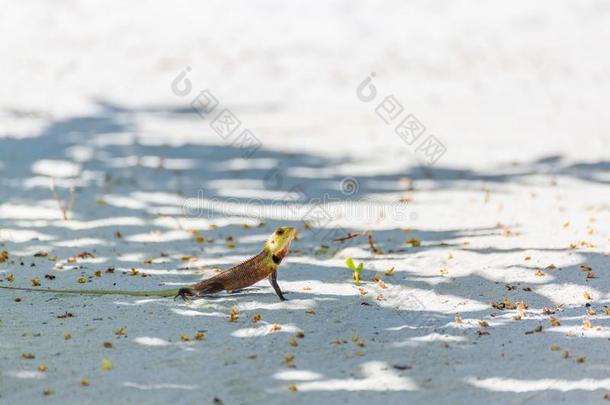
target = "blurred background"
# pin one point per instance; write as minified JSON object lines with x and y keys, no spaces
{"x":495,"y":82}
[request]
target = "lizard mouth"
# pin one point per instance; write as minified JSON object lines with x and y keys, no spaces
{"x":282,"y":253}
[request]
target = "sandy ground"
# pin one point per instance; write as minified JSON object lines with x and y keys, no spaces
{"x":515,"y":212}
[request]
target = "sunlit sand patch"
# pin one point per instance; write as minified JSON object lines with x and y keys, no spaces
{"x":413,"y":299}
{"x":320,"y":288}
{"x":163,"y":386}
{"x":579,"y":331}
{"x":202,"y":224}
{"x":113,"y":139}
{"x":255,"y":194}
{"x":433,"y":337}
{"x":568,"y":293}
{"x":75,"y":224}
{"x":436,"y":337}
{"x":151,"y":341}
{"x":352,"y":251}
{"x":153,"y":162}
{"x":158,"y":342}
{"x":190,"y":312}
{"x":25,"y":211}
{"x":265,"y":329}
{"x":204,"y":206}
{"x":159,"y":236}
{"x":161,"y":272}
{"x":46,"y":182}
{"x":513,"y":385}
{"x":351,"y":214}
{"x":140,"y":301}
{"x":297,"y":375}
{"x":158,"y":198}
{"x":131,"y":257}
{"x":244,"y":164}
{"x":56,"y":168}
{"x":255,"y":238}
{"x":472,"y":323}
{"x":237,"y":184}
{"x":212,"y":302}
{"x":22,"y":235}
{"x":150,"y":258}
{"x":292,"y":304}
{"x":515,"y":275}
{"x":378,"y":376}
{"x":35,"y":223}
{"x":80,"y":153}
{"x":141,"y":270}
{"x":165,"y":210}
{"x":27,"y":375}
{"x":125,"y":202}
{"x":83,"y":242}
{"x":401,"y":327}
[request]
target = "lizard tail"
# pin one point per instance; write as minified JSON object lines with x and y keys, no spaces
{"x":158,"y":293}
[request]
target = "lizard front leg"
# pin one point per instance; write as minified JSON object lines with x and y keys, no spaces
{"x":276,"y":287}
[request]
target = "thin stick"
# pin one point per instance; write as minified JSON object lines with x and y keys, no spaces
{"x":374,"y":248}
{"x":67,"y":207}
{"x":350,"y":235}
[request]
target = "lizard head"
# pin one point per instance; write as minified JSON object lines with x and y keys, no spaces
{"x":279,"y":241}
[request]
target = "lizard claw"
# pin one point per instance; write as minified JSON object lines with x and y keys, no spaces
{"x":185,"y":294}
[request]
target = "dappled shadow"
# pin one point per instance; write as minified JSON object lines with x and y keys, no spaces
{"x":129,"y":213}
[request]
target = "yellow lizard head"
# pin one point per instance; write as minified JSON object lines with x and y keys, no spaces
{"x":279,"y":241}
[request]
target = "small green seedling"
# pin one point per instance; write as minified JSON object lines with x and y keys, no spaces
{"x":356,"y":269}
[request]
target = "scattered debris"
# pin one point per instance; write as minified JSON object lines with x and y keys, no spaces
{"x":350,"y":235}
{"x":233,"y":314}
{"x":537,"y":329}
{"x":106,"y":365}
{"x":374,"y":248}
{"x":413,"y":242}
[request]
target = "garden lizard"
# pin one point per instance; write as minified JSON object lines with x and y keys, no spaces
{"x":263,"y":265}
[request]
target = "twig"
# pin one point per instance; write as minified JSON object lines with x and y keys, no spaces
{"x":67,"y":207}
{"x":374,"y":248}
{"x":350,"y":235}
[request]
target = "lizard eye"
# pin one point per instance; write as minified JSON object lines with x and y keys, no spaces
{"x":279,"y":232}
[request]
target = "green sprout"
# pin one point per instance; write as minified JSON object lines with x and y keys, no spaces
{"x":356,"y":269}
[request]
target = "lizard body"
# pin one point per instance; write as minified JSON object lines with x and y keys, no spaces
{"x":263,"y":265}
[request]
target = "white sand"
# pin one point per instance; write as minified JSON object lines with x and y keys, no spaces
{"x":517,"y":93}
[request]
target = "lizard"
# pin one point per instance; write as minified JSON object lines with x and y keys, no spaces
{"x":263,"y":265}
